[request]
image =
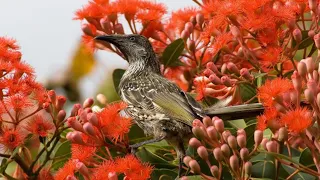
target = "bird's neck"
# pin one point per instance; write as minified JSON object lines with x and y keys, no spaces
{"x":144,"y":64}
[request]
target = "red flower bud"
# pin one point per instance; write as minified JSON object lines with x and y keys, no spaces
{"x":316,"y":39}
{"x":200,"y":19}
{"x":214,"y":79}
{"x":232,"y":142}
{"x":191,"y":45}
{"x":88,"y":128}
{"x":61,"y":115}
{"x":302,"y":69}
{"x":214,"y":171}
{"x":189,"y":27}
{"x":283,"y":134}
{"x":83,"y":170}
{"x":297,"y":35}
{"x":244,"y":154}
{"x":248,"y":168}
{"x":311,"y":33}
{"x":93,"y":119}
{"x":226,"y":81}
{"x":195,"y":167}
{"x":207,"y":121}
{"x":106,"y":25}
{"x":271,"y":146}
{"x":185,"y":34}
{"x":87,"y":30}
{"x":186,"y":160}
{"x":203,"y":153}
{"x":264,"y":143}
{"x":193,"y":20}
{"x":219,"y":125}
{"x":118,"y":28}
{"x":194,"y":142}
{"x":74,"y":123}
{"x":241,"y":139}
{"x":309,"y":94}
{"x":61,"y":100}
{"x":75,"y":109}
{"x":217,"y":153}
{"x":225,"y":150}
{"x":233,"y":68}
{"x":225,"y":135}
{"x":88,"y":103}
{"x":102,"y":99}
{"x":297,"y":81}
{"x":212,"y":133}
{"x":258,"y":136}
{"x":234,"y":163}
{"x":52,"y":96}
{"x":310,"y":64}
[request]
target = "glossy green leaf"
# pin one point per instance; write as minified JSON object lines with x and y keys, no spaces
{"x":163,"y":174}
{"x":298,"y":176}
{"x":250,"y":135}
{"x":306,"y":159}
{"x":263,"y":166}
{"x":117,"y":75}
{"x":247,"y":92}
{"x":158,"y":162}
{"x":62,"y":155}
{"x":238,"y":124}
{"x":170,"y":56}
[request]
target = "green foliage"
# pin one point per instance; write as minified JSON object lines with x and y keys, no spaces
{"x":170,"y":56}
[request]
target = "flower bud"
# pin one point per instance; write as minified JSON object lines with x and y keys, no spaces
{"x":244,"y":72}
{"x":224,"y":68}
{"x":194,"y":166}
{"x":61,"y":115}
{"x":83,"y":117}
{"x":244,"y":154}
{"x":297,"y":35}
{"x":208,"y":72}
{"x":198,"y":132}
{"x":316,"y":39}
{"x":45,"y":106}
{"x":185,"y":34}
{"x":106,"y":25}
{"x":118,"y":28}
{"x":83,"y":170}
{"x":214,"y":171}
{"x":235,"y":31}
{"x":193,"y":20}
{"x":258,"y":136}
{"x":234,"y":163}
{"x":207,"y":121}
{"x":302,"y":69}
{"x":283,"y":134}
{"x":61,"y":100}
{"x":297,"y":81}
{"x":232,"y":142}
{"x":214,"y":79}
{"x":75,"y":108}
{"x":226,"y":81}
{"x":225,"y":135}
{"x":213,"y":67}
{"x":310,"y":64}
{"x":102,"y":99}
{"x":88,"y":103}
{"x":112,"y":176}
{"x":186,"y":160}
{"x":233,"y":68}
{"x":311,"y":33}
{"x":52,"y":96}
{"x":225,"y":150}
{"x":194,"y":142}
{"x":88,"y":128}
{"x":74,"y":123}
{"x":191,"y":45}
{"x":96,"y":109}
{"x":313,"y":5}
{"x":189,"y":27}
{"x":264,"y":143}
{"x":309,"y":95}
{"x":200,"y":19}
{"x":219,"y":125}
{"x":217,"y":153}
{"x":75,"y":137}
{"x":93,"y":119}
{"x":86,"y":29}
{"x":248,"y":168}
{"x":271,"y":146}
{"x":71,"y":177}
{"x":184,"y":178}
{"x":241,"y":139}
{"x":212,"y":133}
{"x":241,"y":131}
{"x":203,"y":153}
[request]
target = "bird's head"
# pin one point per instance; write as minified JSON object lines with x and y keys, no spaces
{"x":133,"y":46}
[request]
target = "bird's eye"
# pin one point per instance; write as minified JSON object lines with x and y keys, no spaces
{"x":132,"y":38}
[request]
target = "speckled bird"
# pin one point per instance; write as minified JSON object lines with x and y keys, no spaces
{"x":158,"y":106}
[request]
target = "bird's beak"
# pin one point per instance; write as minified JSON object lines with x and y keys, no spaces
{"x":108,"y":38}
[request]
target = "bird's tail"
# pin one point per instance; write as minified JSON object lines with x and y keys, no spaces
{"x":235,"y":112}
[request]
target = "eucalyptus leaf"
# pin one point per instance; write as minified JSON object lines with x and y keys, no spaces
{"x":158,"y":162}
{"x":306,"y":159}
{"x":164,"y":174}
{"x":263,"y":167}
{"x":250,"y":135}
{"x":247,"y":92}
{"x":62,"y":155}
{"x":170,"y":56}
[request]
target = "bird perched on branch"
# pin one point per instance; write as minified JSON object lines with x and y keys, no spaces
{"x":157,"y":105}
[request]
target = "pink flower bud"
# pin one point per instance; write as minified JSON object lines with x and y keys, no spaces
{"x":271,"y":146}
{"x":213,"y":67}
{"x":52,"y":96}
{"x":235,"y":31}
{"x":83,"y":117}
{"x":248,"y":168}
{"x":212,"y":133}
{"x":302,"y":69}
{"x":241,"y":131}
{"x":88,"y":103}
{"x":102,"y":99}
{"x":71,"y":177}
{"x":118,"y":28}
{"x":83,"y":170}
{"x":200,"y":19}
{"x":186,"y":160}
{"x":208,"y":72}
{"x":316,"y":39}
{"x":232,"y":142}
{"x":258,"y":136}
{"x":61,"y":100}
{"x":203,"y":153}
{"x":185,"y":34}
{"x":264,"y":143}
{"x":219,"y":125}
{"x":217,"y":153}
{"x":244,"y":72}
{"x":195,"y":167}
{"x":226,"y":81}
{"x":106,"y":25}
{"x":234,"y":163}
{"x":189,"y":27}
{"x":214,"y":171}
{"x":225,"y":135}
{"x":313,"y":4}
{"x":61,"y":115}
{"x":191,"y":45}
{"x":310,"y":64}
{"x":194,"y":142}
{"x":233,"y":68}
{"x":75,"y":137}
{"x":297,"y":35}
{"x":86,"y":29}
{"x":207,"y":121}
{"x":198,"y":132}
{"x":309,"y":94}
{"x":88,"y":128}
{"x":193,"y":20}
{"x":283,"y":134}
{"x":225,"y":150}
{"x":214,"y":79}
{"x":297,"y":81}
{"x":74,"y":123}
{"x":224,"y":68}
{"x":311,"y":33}
{"x":75,"y":109}
{"x":242,"y":142}
{"x":93,"y":119}
{"x":244,"y":154}
{"x":112,"y":176}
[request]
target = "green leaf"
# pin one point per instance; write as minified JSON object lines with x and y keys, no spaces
{"x":170,"y":56}
{"x":117,"y":75}
{"x":306,"y":159}
{"x":238,"y":124}
{"x":306,"y":41}
{"x":263,"y":166}
{"x":164,"y":174}
{"x":158,"y":162}
{"x":198,"y":177}
{"x":250,"y":135}
{"x":62,"y":155}
{"x":298,"y":176}
{"x":247,"y":91}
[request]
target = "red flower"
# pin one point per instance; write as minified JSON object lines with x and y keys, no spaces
{"x":109,"y":117}
{"x":182,"y":16}
{"x":268,"y":119}
{"x":9,"y":43}
{"x":82,"y":152}
{"x":40,"y":126}
{"x":102,"y":171}
{"x":297,"y":120}
{"x":66,"y":170}
{"x":95,"y":9}
{"x":11,"y":138}
{"x":273,"y":89}
{"x":219,"y":42}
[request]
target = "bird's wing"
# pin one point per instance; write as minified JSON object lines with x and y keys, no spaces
{"x":155,"y":94}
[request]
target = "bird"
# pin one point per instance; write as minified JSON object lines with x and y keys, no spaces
{"x":157,"y":105}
